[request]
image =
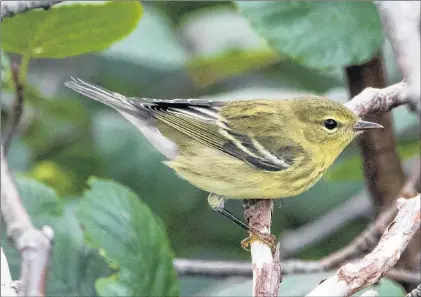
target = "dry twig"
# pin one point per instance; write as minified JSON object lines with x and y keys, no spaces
{"x":34,"y":245}
{"x":225,"y":269}
{"x":351,"y":278}
{"x":266,"y":267}
{"x":377,"y":101}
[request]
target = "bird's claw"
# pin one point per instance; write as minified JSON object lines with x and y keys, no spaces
{"x":268,"y":239}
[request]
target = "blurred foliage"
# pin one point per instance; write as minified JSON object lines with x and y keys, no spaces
{"x":65,"y":138}
{"x":351,"y":167}
{"x":131,"y":238}
{"x":62,"y":31}
{"x":317,"y":34}
{"x":205,"y":71}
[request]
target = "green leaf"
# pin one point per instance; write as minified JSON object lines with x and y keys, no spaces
{"x":69,"y":30}
{"x":208,"y":70}
{"x":74,"y":267}
{"x":131,"y":238}
{"x":317,"y":34}
{"x":296,"y":285}
{"x":351,"y":169}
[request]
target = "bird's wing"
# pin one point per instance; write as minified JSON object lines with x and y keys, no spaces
{"x":199,"y":119}
{"x":202,"y":121}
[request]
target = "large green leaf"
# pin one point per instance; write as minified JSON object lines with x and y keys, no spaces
{"x":74,"y":266}
{"x":317,"y":34}
{"x":131,"y":238}
{"x":296,"y":285}
{"x":69,"y":30}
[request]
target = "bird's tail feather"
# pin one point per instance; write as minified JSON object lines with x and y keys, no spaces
{"x":112,"y":99}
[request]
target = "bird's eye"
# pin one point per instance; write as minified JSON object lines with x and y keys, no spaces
{"x":330,"y":124}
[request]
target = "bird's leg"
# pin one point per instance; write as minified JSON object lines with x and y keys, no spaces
{"x":216,"y":202}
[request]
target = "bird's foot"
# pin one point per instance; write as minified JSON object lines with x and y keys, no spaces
{"x":266,"y":238}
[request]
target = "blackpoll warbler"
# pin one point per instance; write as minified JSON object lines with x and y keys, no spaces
{"x":255,"y":149}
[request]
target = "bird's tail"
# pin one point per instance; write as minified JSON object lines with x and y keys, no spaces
{"x":112,"y":99}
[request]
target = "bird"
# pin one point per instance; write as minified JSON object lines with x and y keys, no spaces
{"x":242,"y":149}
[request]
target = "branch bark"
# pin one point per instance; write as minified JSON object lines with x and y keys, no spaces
{"x":353,"y":277}
{"x":34,"y":245}
{"x":266,"y":267}
{"x":11,"y":8}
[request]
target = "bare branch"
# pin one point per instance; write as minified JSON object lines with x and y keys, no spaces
{"x":373,"y":100}
{"x":266,"y":267}
{"x":401,"y":21}
{"x":34,"y":245}
{"x":225,"y":269}
{"x":10,"y":8}
{"x":362,"y":242}
{"x":351,"y":278}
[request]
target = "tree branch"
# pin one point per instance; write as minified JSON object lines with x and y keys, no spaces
{"x":10,"y":8}
{"x":266,"y":267}
{"x":225,"y":269}
{"x":34,"y":245}
{"x":377,"y":101}
{"x":353,"y":277}
{"x":401,"y":22}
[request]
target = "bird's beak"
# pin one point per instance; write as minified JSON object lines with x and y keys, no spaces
{"x":364,"y":125}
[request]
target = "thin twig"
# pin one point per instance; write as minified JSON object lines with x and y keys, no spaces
{"x":351,"y":278}
{"x":225,"y":269}
{"x":362,"y":242}
{"x":17,"y":108}
{"x":10,"y":8}
{"x":377,"y":101}
{"x":266,"y":267}
{"x":34,"y":245}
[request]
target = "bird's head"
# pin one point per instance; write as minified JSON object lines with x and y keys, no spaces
{"x":328,"y":123}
